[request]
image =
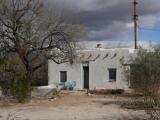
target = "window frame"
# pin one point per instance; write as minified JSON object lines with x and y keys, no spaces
{"x":60,"y":78}
{"x":111,"y":78}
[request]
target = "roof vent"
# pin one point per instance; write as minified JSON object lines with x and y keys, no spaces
{"x":99,"y":46}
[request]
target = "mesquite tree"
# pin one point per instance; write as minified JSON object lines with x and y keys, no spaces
{"x":29,"y":31}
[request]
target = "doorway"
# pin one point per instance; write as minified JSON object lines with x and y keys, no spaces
{"x":86,"y":77}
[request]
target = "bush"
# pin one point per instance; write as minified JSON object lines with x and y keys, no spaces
{"x":145,"y":79}
{"x":20,"y":88}
{"x":14,"y":80}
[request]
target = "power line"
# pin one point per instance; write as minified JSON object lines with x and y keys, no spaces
{"x":149,"y":29}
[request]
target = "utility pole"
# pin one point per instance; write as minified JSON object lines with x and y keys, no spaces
{"x":135,"y":19}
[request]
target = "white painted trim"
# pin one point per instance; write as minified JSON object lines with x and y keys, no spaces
{"x":59,"y":77}
{"x":82,"y":81}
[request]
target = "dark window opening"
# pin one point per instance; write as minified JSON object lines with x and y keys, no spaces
{"x":112,"y":75}
{"x":63,"y":76}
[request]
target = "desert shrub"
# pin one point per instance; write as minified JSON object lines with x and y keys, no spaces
{"x":56,"y":93}
{"x":20,"y":87}
{"x":4,"y":83}
{"x":145,"y":79}
{"x":13,"y":81}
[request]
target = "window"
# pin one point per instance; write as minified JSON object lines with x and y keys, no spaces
{"x":63,"y":76}
{"x":112,"y":75}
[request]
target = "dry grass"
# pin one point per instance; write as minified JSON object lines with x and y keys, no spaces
{"x":75,"y":103}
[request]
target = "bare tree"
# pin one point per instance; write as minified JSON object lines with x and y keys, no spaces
{"x":28,"y":31}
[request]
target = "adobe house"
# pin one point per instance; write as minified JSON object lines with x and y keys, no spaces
{"x":94,"y":69}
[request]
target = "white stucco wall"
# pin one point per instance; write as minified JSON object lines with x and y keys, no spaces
{"x":98,"y":70}
{"x":99,"y":73}
{"x":73,"y":72}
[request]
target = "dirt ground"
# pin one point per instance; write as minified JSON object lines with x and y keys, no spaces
{"x":73,"y":105}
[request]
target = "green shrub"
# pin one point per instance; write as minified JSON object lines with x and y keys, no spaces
{"x":20,"y":88}
{"x":144,"y":75}
{"x":14,"y":80}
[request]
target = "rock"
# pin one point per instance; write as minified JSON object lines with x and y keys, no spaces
{"x":44,"y":91}
{"x":89,"y":94}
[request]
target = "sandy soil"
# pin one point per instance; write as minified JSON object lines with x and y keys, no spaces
{"x":71,"y":106}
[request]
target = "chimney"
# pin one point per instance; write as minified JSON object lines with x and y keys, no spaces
{"x":99,"y":46}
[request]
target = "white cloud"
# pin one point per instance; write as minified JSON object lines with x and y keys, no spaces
{"x":105,"y":44}
{"x":147,"y":44}
{"x":117,"y":44}
{"x":148,"y":20}
{"x":130,"y":25}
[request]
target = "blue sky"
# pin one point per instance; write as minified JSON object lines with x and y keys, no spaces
{"x":150,"y":33}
